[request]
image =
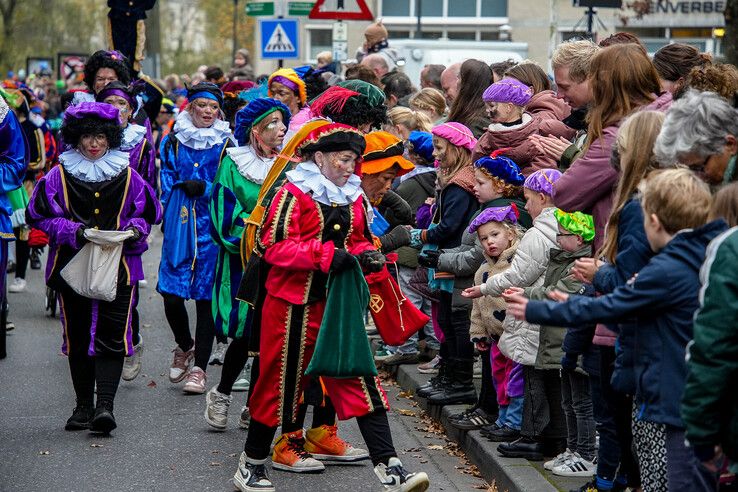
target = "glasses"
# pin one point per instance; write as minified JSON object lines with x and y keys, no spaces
{"x":564,"y":234}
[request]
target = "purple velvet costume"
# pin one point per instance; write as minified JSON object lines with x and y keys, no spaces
{"x":142,"y":158}
{"x":60,"y":205}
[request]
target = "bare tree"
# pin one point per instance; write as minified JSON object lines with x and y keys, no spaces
{"x":730,"y":38}
{"x":7,"y":11}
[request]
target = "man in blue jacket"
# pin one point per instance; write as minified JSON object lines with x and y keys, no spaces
{"x":662,"y":298}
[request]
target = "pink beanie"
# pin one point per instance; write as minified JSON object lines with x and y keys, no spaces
{"x":456,"y":133}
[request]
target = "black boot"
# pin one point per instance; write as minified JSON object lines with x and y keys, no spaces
{"x":522,"y":448}
{"x":103,"y":422}
{"x":80,"y":418}
{"x":436,"y":383}
{"x":461,"y":389}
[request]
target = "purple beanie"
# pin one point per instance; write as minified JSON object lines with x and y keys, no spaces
{"x":508,"y":90}
{"x":495,"y":214}
{"x":456,"y":133}
{"x":542,"y":181}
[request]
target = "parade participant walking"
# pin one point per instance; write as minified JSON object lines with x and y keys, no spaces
{"x":94,"y":188}
{"x":316,"y":224}
{"x":190,"y":156}
{"x":142,"y":159}
{"x":260,"y":130}
{"x":13,"y":162}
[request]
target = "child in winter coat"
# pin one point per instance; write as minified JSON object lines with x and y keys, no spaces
{"x":662,"y":299}
{"x":546,"y":385}
{"x":498,"y":233}
{"x":455,"y":206}
{"x":519,"y":341}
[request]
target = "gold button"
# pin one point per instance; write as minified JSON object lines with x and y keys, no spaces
{"x":197,"y":165}
{"x":97,"y":210}
{"x":97,"y":194}
{"x":334,"y":204}
{"x":128,"y":14}
{"x":336,"y":227}
{"x":96,"y":228}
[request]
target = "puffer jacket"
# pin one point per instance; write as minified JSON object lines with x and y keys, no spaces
{"x":519,"y":341}
{"x":546,"y":105}
{"x":488,"y":312}
{"x":558,"y":277}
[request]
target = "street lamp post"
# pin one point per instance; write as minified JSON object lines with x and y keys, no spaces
{"x":235,"y":28}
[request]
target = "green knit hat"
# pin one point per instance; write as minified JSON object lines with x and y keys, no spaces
{"x":576,"y":223}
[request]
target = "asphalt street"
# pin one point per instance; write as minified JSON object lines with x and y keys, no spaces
{"x":162,"y":442}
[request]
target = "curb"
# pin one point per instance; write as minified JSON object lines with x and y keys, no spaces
{"x":511,"y":474}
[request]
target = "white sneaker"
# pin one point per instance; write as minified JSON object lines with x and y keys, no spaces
{"x":143,"y":284}
{"x":18,"y":285}
{"x":195,"y":383}
{"x":395,"y":478}
{"x":132,"y":364}
{"x":243,"y":383}
{"x":218,"y":354}
{"x":575,"y":466}
{"x":245,"y":418}
{"x":252,"y":475}
{"x":216,"y":408}
{"x":181,"y":364}
{"x":558,"y":460}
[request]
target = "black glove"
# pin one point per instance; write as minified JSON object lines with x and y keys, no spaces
{"x":80,"y":234}
{"x":396,"y":238}
{"x":193,"y":187}
{"x":136,"y":235}
{"x":342,"y":260}
{"x":569,"y":362}
{"x":429,"y":259}
{"x":372,"y":260}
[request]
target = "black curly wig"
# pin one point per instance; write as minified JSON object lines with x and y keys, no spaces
{"x":102,"y":59}
{"x":315,"y":84}
{"x":73,"y":129}
{"x":357,"y":112}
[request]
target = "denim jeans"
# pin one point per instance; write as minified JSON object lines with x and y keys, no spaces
{"x":420,"y":302}
{"x":577,"y":403}
{"x":511,"y":415}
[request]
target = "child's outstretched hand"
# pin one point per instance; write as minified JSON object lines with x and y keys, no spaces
{"x":513,"y":291}
{"x":558,"y":296}
{"x":585,"y":269}
{"x":515,"y":304}
{"x":474,"y":292}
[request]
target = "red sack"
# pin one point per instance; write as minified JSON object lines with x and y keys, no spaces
{"x":395,"y":316}
{"x":37,"y":239}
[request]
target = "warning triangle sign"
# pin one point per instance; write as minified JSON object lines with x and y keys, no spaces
{"x":279,"y":42}
{"x":341,"y":10}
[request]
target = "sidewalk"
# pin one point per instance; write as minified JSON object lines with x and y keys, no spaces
{"x":511,"y":474}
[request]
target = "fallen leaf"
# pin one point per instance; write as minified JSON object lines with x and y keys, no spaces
{"x":407,"y":413}
{"x":215,"y":451}
{"x":423,"y":462}
{"x":232,"y":455}
{"x":151,"y":384}
{"x":435,"y":447}
{"x":405,"y":394}
{"x":96,"y":445}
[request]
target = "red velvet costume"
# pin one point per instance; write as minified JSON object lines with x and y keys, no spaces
{"x":299,"y":237}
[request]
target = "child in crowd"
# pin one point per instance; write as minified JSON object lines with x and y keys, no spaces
{"x":498,"y":233}
{"x":498,"y":183}
{"x":550,"y":386}
{"x":519,"y":341}
{"x":662,"y":298}
{"x":456,"y":204}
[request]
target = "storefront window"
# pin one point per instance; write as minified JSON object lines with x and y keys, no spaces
{"x":494,"y":8}
{"x":431,"y":8}
{"x":462,"y":8}
{"x":398,"y":8}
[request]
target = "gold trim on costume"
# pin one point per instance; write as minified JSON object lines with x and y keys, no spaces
{"x":283,"y":368}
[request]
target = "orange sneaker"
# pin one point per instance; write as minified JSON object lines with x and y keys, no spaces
{"x":289,"y":455}
{"x":325,"y":445}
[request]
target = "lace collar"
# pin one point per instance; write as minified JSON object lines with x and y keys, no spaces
{"x":110,"y":165}
{"x":250,"y":165}
{"x":200,"y":138}
{"x":309,"y":179}
{"x":132,"y":135}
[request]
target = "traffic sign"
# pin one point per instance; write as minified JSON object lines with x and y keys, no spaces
{"x":279,"y":39}
{"x":254,"y":9}
{"x":341,"y":10}
{"x":300,"y":8}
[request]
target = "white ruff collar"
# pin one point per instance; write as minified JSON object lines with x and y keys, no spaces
{"x":250,"y":165}
{"x":309,"y":179}
{"x":200,"y":138}
{"x":110,"y":165}
{"x":132,"y":135}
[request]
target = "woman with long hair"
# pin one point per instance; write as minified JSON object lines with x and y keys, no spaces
{"x":468,"y":108}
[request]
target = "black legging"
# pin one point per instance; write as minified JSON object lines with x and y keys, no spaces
{"x":179,"y":322}
{"x":455,"y":326}
{"x":88,"y":372}
{"x":22,"y":255}
{"x":487,"y":394}
{"x":235,"y":360}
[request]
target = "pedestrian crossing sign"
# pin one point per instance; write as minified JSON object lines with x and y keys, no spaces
{"x":279,"y":39}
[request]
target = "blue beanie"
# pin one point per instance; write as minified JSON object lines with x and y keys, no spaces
{"x":253,"y":113}
{"x":422,"y":143}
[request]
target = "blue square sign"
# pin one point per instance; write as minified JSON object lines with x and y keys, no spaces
{"x":279,"y":39}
